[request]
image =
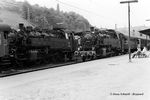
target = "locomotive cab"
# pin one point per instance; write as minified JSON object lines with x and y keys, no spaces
{"x":4,"y":31}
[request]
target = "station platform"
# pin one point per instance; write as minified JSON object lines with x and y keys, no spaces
{"x":112,"y":78}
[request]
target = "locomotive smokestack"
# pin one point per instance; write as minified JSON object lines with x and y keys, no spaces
{"x":91,"y":28}
{"x":21,"y":26}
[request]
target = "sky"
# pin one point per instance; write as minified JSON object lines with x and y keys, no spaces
{"x":103,"y":13}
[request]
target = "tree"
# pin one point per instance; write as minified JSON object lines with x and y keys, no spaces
{"x":44,"y":17}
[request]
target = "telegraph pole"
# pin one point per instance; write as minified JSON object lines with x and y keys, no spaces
{"x":128,"y":2}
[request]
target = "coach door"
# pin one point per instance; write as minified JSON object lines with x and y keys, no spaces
{"x":3,"y":44}
{"x":4,"y":31}
{"x":2,"y":47}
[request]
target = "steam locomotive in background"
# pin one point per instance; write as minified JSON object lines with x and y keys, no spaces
{"x":29,"y":46}
{"x":99,"y":43}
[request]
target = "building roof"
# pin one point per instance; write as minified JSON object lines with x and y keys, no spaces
{"x":134,"y":31}
{"x":13,"y":19}
{"x":146,"y":32}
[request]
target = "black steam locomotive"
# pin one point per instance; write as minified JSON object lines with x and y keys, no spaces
{"x":28,"y":45}
{"x":98,"y":43}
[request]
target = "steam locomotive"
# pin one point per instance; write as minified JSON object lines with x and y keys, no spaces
{"x":98,"y":43}
{"x":26,"y":45}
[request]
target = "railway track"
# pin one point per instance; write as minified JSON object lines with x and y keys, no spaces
{"x":41,"y":67}
{"x":12,"y":72}
{"x":37,"y":68}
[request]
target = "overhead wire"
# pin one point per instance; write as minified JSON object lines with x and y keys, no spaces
{"x":96,"y":14}
{"x":70,"y":5}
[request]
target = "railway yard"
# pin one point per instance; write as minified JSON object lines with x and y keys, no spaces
{"x":53,"y":54}
{"x":105,"y":79}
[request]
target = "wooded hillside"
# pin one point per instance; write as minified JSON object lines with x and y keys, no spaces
{"x":47,"y":17}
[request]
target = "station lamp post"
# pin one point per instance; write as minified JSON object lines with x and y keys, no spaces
{"x":128,"y":2}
